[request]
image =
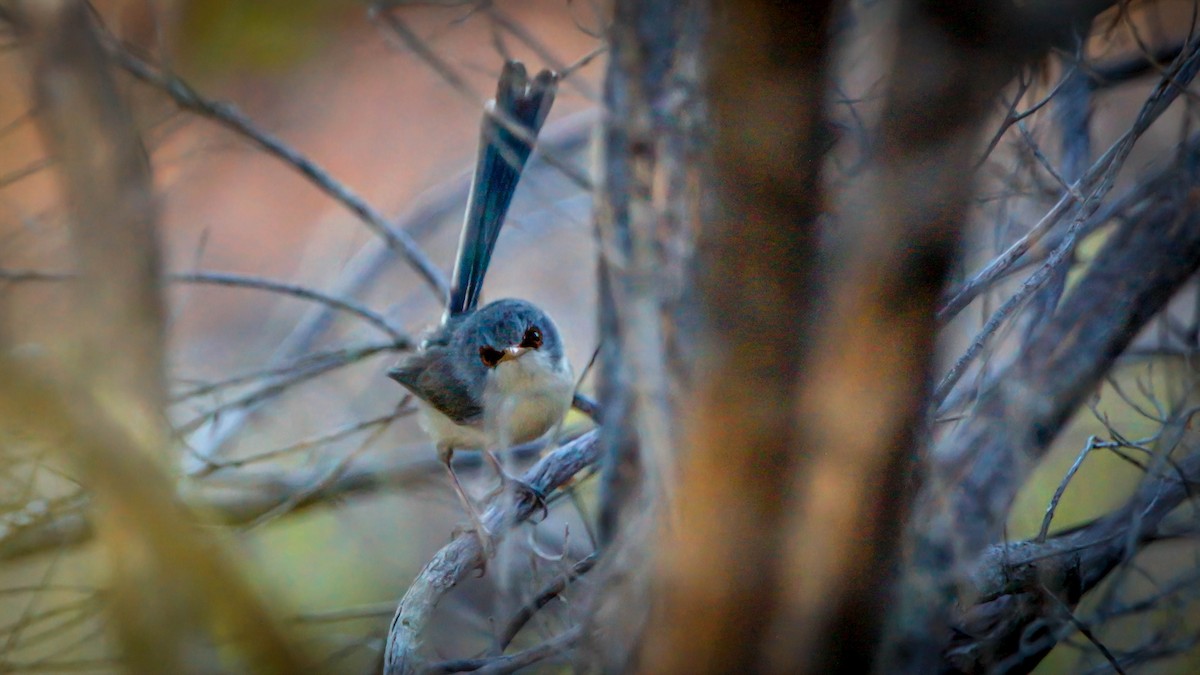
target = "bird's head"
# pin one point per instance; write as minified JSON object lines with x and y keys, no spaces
{"x":513,"y":334}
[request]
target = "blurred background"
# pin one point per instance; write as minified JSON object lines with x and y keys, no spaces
{"x":286,"y":431}
{"x":250,"y":371}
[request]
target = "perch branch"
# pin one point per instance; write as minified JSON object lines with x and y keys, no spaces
{"x":457,"y":559}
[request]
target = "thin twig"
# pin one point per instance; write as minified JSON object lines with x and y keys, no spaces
{"x":456,"y":560}
{"x":1097,"y":181}
{"x":1062,"y":487}
{"x":1085,"y":630}
{"x":335,"y":435}
{"x":1035,"y":281}
{"x":230,"y":117}
{"x":548,"y":593}
{"x":543,"y":52}
{"x":380,"y":13}
{"x":274,"y":386}
{"x":401,"y":340}
{"x":509,"y":663}
{"x":322,"y":483}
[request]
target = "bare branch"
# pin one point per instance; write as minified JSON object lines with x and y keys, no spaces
{"x":978,"y":468}
{"x":1095,"y":184}
{"x":382,"y":12}
{"x":512,"y":662}
{"x":542,"y":598}
{"x":228,"y":116}
{"x":1010,"y":581}
{"x":456,"y":560}
{"x":236,"y":497}
{"x":402,"y":341}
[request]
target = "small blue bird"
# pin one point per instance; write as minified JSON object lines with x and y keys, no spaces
{"x":493,"y":377}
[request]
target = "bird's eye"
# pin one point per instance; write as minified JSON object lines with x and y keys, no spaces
{"x":532,"y":339}
{"x":490,"y":356}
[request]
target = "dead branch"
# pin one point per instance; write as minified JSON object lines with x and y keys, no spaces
{"x":457,"y":559}
{"x":1011,"y":580}
{"x":227,"y":115}
{"x":1095,"y":184}
{"x":231,"y":280}
{"x":234,"y":496}
{"x":171,"y":585}
{"x":543,"y":598}
{"x":509,"y":663}
{"x":977,"y":469}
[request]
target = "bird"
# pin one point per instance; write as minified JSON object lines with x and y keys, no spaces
{"x":487,"y":378}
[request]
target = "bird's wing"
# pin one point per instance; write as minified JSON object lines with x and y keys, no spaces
{"x":431,"y":376}
{"x":502,"y":154}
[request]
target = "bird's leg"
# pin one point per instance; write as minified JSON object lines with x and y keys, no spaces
{"x":481,"y":532}
{"x":506,"y":479}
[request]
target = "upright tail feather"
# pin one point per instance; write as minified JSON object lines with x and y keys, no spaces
{"x":510,"y":128}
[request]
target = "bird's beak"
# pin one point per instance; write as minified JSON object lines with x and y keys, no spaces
{"x":512,"y":354}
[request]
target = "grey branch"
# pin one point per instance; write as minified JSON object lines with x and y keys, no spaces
{"x":1095,"y":183}
{"x":551,"y":591}
{"x":230,"y":117}
{"x":402,"y":340}
{"x":457,"y":559}
{"x":1010,"y":579}
{"x":977,"y":469}
{"x":235,"y":496}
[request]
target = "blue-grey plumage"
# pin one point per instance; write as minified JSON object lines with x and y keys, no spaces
{"x":491,"y":378}
{"x":502,"y":156}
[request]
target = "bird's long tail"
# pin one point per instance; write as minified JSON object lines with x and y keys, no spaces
{"x":510,"y":127}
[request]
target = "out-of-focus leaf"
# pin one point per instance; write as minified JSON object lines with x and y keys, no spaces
{"x":219,"y":35}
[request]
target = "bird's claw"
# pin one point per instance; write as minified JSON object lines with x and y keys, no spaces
{"x":535,"y":496}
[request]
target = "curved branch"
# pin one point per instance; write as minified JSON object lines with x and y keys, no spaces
{"x":457,"y":559}
{"x":402,"y":341}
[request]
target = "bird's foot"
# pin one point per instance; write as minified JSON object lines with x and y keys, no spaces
{"x":521,"y":490}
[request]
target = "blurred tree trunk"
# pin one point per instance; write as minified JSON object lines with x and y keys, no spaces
{"x":653,"y":143}
{"x":719,"y":572}
{"x":814,"y":349}
{"x":173,"y":596}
